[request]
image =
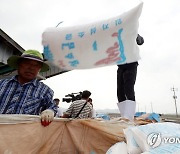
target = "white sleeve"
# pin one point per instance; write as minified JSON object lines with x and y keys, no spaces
{"x":93,"y":113}
{"x":59,"y":112}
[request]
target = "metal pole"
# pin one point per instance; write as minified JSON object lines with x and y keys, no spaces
{"x":59,"y":23}
{"x":151,"y":108}
{"x":175,"y":97}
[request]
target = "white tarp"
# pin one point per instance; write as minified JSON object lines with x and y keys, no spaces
{"x":110,"y":41}
{"x":153,"y":138}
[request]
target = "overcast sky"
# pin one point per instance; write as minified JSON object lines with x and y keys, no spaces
{"x":158,"y":70}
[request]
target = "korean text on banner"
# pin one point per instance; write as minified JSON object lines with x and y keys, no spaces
{"x":102,"y":43}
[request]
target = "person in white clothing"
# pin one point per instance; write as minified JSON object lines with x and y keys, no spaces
{"x":93,"y":112}
{"x":59,"y":113}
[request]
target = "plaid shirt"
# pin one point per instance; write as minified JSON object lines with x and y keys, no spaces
{"x":76,"y":106}
{"x":30,"y":98}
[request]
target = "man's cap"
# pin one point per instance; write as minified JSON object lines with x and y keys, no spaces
{"x":28,"y":54}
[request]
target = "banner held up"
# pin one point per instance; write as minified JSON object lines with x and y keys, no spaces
{"x":108,"y":42}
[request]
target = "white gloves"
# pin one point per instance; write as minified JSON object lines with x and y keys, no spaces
{"x":47,"y":117}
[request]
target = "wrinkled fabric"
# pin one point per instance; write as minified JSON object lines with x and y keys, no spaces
{"x":24,"y":134}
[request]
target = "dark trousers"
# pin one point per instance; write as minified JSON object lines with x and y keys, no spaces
{"x":126,"y":78}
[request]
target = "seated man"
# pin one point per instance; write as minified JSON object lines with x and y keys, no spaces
{"x":23,"y":93}
{"x":80,"y":108}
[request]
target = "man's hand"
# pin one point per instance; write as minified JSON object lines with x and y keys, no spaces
{"x":139,"y":40}
{"x":47,"y":117}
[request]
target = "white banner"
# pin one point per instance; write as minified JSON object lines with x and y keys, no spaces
{"x":107,"y":42}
